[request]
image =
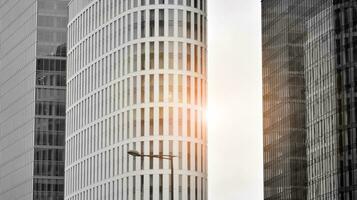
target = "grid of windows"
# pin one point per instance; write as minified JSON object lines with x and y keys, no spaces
{"x":50,"y":99}
{"x":136,"y":80}
{"x":320,"y":77}
{"x":283,"y":24}
{"x":345,"y":43}
{"x":330,"y":53}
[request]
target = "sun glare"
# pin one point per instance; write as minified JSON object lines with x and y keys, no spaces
{"x":211,"y":114}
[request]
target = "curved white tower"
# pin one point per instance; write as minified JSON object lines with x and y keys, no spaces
{"x":136,"y":81}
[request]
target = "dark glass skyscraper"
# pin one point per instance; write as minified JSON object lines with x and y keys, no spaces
{"x":284,"y":35}
{"x":331,"y":74}
{"x":32,"y":98}
{"x":321,"y":140}
{"x":284,"y":100}
{"x":318,"y":38}
{"x":345,"y":40}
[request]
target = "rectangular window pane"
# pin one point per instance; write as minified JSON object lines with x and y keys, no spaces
{"x":171,"y":121}
{"x":143,"y":21}
{"x":196,"y":26}
{"x":180,"y":125}
{"x":171,"y":55}
{"x":180,"y":23}
{"x":171,"y":88}
{"x":161,"y":88}
{"x":188,"y":2}
{"x":142,"y":56}
{"x":161,"y":22}
{"x":188,"y":24}
{"x":152,"y":23}
{"x":180,"y":88}
{"x":152,"y":55}
{"x":161,"y":121}
{"x":171,"y":22}
{"x":142,"y":127}
{"x":161,"y":55}
{"x":151,"y":124}
{"x":195,"y":59}
{"x":188,"y":57}
{"x":188,"y":89}
{"x":135,"y":28}
{"x":152,"y":86}
{"x":180,"y":50}
{"x":135,"y":59}
{"x":142,"y":88}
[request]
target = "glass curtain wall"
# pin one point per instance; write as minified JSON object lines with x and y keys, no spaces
{"x":345,"y":22}
{"x":50,"y":99}
{"x":284,"y":35}
{"x":321,"y":105}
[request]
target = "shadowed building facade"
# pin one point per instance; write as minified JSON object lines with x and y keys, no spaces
{"x":331,"y":77}
{"x":32,"y":99}
{"x":345,"y":41}
{"x":319,"y":38}
{"x":320,"y":76}
{"x":285,"y":161}
{"x":284,"y":105}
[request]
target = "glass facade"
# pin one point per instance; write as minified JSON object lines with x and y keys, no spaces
{"x":332,"y":74}
{"x":321,"y":105}
{"x":33,"y":88}
{"x":136,"y":80}
{"x":329,"y":57}
{"x":52,"y":19}
{"x":345,"y":41}
{"x":284,"y":105}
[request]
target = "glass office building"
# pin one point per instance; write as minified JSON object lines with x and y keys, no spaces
{"x":327,"y":51}
{"x":136,"y":81}
{"x":32,"y":99}
{"x":345,"y":41}
{"x":320,"y":76}
{"x":284,"y":105}
{"x":284,"y":100}
{"x":331,"y":75}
